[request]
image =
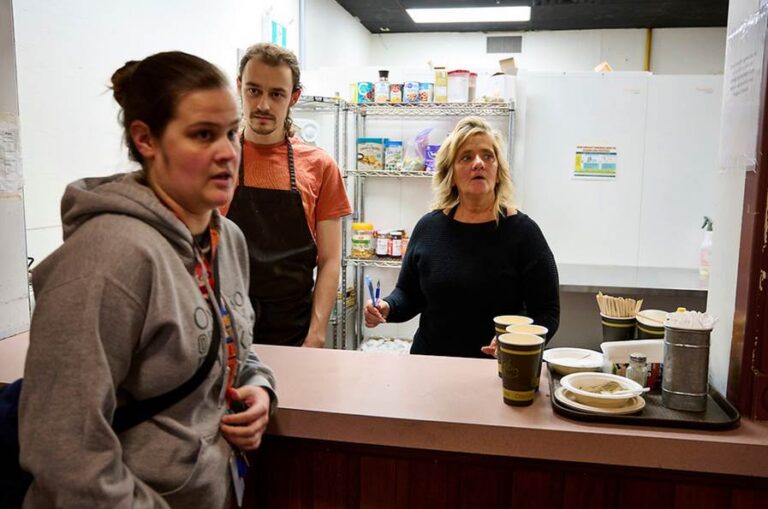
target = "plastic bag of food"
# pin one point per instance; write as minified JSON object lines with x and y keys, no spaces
{"x":415,"y":151}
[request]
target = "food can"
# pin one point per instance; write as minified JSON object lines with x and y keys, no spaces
{"x":396,"y":92}
{"x":426,"y":92}
{"x":411,"y":92}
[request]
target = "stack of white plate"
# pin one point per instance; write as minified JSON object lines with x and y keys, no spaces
{"x":600,"y":393}
{"x":565,"y":361}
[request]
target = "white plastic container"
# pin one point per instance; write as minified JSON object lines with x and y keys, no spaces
{"x":458,"y":86}
{"x":472,"y":86}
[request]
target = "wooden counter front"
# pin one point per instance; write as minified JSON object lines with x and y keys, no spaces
{"x":369,"y":429}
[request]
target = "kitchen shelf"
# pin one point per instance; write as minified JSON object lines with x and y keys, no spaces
{"x":357,"y":179}
{"x":389,"y":173}
{"x":431,"y":109}
{"x":382,"y":263}
{"x":319,"y":103}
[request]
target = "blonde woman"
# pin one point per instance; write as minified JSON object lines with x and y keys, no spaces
{"x":473,"y":257}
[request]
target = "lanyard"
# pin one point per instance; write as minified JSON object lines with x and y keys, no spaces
{"x":206,"y":276}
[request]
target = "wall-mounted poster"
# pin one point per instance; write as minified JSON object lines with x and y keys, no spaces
{"x":595,"y":162}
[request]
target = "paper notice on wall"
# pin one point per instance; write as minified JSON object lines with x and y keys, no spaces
{"x":595,"y":162}
{"x":741,"y":94}
{"x":10,"y":154}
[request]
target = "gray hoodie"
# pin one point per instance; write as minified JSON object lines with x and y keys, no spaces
{"x":118,"y":317}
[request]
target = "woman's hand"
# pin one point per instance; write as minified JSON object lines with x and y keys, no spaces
{"x":374,"y":315}
{"x":244,"y":429}
{"x":491,"y":349}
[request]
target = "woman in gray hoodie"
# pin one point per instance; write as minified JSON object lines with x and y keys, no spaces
{"x":127,"y":308}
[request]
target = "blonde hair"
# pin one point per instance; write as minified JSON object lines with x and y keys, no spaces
{"x":446,"y":192}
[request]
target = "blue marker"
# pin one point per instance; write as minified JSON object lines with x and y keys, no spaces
{"x":378,"y":293}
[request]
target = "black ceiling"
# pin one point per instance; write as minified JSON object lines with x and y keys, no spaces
{"x":376,"y":15}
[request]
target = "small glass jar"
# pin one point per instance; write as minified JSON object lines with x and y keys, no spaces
{"x":382,"y":243}
{"x":396,"y":244}
{"x":638,"y":369}
{"x":362,"y":240}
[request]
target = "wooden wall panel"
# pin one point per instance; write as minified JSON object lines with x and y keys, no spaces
{"x":535,"y":489}
{"x":646,"y":494}
{"x":378,"y":483}
{"x":429,"y":484}
{"x":701,"y":496}
{"x":306,"y":474}
{"x":334,"y":480}
{"x":590,"y":491}
{"x":481,"y":486}
{"x":750,"y":499}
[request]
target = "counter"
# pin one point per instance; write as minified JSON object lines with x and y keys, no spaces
{"x":375,"y":429}
{"x":455,"y":405}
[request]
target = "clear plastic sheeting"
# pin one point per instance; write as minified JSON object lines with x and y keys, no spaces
{"x":378,"y":344}
{"x":10,"y":154}
{"x":741,"y":94}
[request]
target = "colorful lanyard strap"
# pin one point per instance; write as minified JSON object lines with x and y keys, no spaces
{"x":206,"y":272}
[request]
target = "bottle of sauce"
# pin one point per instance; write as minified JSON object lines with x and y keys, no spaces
{"x":396,"y":244}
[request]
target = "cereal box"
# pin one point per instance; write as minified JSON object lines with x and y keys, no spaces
{"x":393,"y":155}
{"x":411,"y":92}
{"x":370,"y":154}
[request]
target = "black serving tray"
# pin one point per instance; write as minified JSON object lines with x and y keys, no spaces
{"x":719,"y":415}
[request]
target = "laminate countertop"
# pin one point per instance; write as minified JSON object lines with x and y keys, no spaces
{"x":455,"y":405}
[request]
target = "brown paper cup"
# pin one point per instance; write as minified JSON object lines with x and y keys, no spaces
{"x":501,"y":323}
{"x":538,"y":330}
{"x":520,"y":356}
{"x":617,"y":329}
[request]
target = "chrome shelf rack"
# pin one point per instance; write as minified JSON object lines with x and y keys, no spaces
{"x":355,"y":179}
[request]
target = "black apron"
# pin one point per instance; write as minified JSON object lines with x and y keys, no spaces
{"x":282,"y":254}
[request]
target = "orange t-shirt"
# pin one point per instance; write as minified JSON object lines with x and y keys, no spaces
{"x":317,"y":178}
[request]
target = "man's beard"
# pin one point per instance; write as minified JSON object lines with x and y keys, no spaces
{"x":262,"y":129}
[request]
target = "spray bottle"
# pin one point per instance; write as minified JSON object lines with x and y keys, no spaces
{"x":706,"y":247}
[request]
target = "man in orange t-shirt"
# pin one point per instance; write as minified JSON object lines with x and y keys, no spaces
{"x":289,"y":202}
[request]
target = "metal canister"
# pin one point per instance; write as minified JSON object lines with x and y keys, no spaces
{"x":684,"y":383}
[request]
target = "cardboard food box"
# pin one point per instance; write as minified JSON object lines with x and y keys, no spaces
{"x":370,"y":154}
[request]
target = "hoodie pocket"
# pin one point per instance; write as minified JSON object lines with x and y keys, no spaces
{"x":185,"y":472}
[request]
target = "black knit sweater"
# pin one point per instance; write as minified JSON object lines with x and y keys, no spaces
{"x":461,"y":275}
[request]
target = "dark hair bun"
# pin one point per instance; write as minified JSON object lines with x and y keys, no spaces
{"x":121,"y":79}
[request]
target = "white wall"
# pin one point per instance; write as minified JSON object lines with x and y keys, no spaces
{"x":688,"y":50}
{"x":334,"y":37}
{"x":14,"y":295}
{"x":337,"y":45}
{"x":66,"y":53}
{"x":674,"y":51}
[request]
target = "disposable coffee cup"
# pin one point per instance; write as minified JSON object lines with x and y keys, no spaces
{"x":538,"y":330}
{"x":520,"y":356}
{"x":618,"y":329}
{"x":501,"y":323}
